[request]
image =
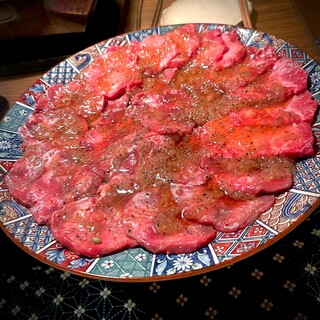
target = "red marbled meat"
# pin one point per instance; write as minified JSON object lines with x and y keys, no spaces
{"x":163,"y":143}
{"x":209,"y":206}
{"x":250,"y":176}
{"x":293,"y":140}
{"x":113,"y":73}
{"x":299,"y":108}
{"x":155,"y":222}
{"x":187,"y":41}
{"x":89,"y":230}
{"x":165,"y":112}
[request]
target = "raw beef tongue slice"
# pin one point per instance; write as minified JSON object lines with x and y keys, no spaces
{"x":211,"y":50}
{"x":37,"y":159}
{"x":188,"y":41}
{"x":61,"y":127}
{"x":211,"y":207}
{"x":113,"y":73}
{"x":299,"y":108}
{"x":166,"y":112}
{"x":89,"y":230}
{"x":284,"y":79}
{"x":154,"y":221}
{"x":154,"y":54}
{"x":290,"y":75}
{"x":63,"y":183}
{"x":236,"y":53}
{"x":255,"y":176}
{"x":257,"y":62}
{"x":294,"y":140}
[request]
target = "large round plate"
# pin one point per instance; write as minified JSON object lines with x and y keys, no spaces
{"x":137,"y":264}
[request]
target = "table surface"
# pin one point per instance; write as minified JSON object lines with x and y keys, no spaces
{"x":282,"y":281}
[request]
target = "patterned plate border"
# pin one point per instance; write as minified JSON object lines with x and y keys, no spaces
{"x":134,"y":265}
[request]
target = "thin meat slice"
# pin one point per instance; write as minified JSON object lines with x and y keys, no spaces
{"x":89,"y":230}
{"x":109,"y":143}
{"x":109,"y":160}
{"x":212,"y":49}
{"x":299,"y":108}
{"x":61,"y":127}
{"x":154,"y":221}
{"x":53,"y":179}
{"x":209,"y":206}
{"x":258,"y":62}
{"x":213,"y":92}
{"x":290,"y":75}
{"x":154,"y":54}
{"x":161,"y":159}
{"x":59,"y":96}
{"x":102,"y":135}
{"x":188,"y":41}
{"x":113,"y":73}
{"x":292,"y":140}
{"x":285,"y":79}
{"x":61,"y":184}
{"x":166,"y":112}
{"x":152,"y":159}
{"x":261,"y":92}
{"x":255,"y":176}
{"x":36,"y":160}
{"x":236,"y":53}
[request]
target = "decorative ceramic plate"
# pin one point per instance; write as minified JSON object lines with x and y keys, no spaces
{"x":137,"y":264}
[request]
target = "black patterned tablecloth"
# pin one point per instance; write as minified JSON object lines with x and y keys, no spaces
{"x":280,"y":282}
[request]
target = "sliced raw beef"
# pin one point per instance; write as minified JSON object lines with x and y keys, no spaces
{"x":290,"y":75}
{"x":161,"y":159}
{"x":89,"y":106}
{"x":45,"y":178}
{"x":293,"y":140}
{"x":89,"y":230}
{"x":154,"y":54}
{"x":104,"y":134}
{"x":285,"y":79}
{"x":299,"y":108}
{"x":257,"y":62}
{"x":213,"y":93}
{"x":184,"y":163}
{"x":236,"y":53}
{"x":152,"y":159}
{"x":261,"y":92}
{"x":62,"y":183}
{"x":165,"y":112}
{"x":74,"y":95}
{"x":152,"y":219}
{"x":61,"y":127}
{"x":58,"y":96}
{"x":113,"y":73}
{"x":211,"y":207}
{"x":212,"y":49}
{"x":187,"y":41}
{"x":116,"y":107}
{"x":253,"y":176}
{"x":28,"y":169}
{"x":109,"y":144}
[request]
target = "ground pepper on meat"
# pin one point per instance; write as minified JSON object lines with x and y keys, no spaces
{"x":167,"y":146}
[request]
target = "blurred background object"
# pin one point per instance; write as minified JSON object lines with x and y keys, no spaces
{"x":204,"y":11}
{"x":308,"y":11}
{"x":37,"y":34}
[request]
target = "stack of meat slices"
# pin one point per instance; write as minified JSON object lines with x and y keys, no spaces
{"x":164,"y":142}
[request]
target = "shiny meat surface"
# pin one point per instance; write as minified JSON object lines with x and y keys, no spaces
{"x":163,"y":143}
